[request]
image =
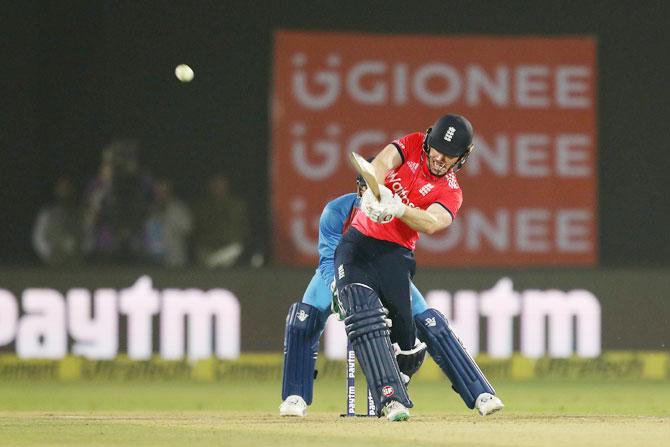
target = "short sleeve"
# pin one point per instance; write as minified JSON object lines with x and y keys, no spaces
{"x":451,"y":200}
{"x":407,"y":144}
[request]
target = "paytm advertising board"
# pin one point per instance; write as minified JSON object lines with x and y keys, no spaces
{"x":185,"y":323}
{"x":143,"y":320}
{"x":100,"y":313}
{"x":530,"y":186}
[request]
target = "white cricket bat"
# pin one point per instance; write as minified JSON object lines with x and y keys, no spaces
{"x":366,"y":170}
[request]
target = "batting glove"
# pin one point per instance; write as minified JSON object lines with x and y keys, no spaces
{"x":371,"y":206}
{"x":384,"y":210}
{"x":335,"y":306}
{"x":394,"y":206}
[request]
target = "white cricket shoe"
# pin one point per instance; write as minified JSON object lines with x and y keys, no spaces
{"x":395,"y":411}
{"x":294,"y":405}
{"x":487,"y":403}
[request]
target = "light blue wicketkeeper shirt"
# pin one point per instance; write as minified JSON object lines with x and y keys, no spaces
{"x":333,"y":218}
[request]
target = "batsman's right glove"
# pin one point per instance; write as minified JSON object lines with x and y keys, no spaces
{"x":384,"y":210}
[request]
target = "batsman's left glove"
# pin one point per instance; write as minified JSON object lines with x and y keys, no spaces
{"x":335,"y":306}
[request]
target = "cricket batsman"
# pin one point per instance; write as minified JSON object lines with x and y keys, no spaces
{"x":374,"y":265}
{"x":306,"y":320}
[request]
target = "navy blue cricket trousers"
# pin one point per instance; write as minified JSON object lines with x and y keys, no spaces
{"x":387,"y":268}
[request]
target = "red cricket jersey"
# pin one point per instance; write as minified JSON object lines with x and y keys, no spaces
{"x":417,"y":187}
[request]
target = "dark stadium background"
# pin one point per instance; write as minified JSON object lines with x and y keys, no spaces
{"x":77,"y":74}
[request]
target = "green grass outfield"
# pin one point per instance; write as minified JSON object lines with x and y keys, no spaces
{"x":538,"y":413}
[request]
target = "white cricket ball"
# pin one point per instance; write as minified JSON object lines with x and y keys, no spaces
{"x":184,"y":73}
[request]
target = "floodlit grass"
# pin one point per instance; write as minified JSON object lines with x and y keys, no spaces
{"x":537,"y":413}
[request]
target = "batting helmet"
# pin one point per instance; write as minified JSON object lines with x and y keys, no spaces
{"x":451,"y":135}
{"x":360,"y":181}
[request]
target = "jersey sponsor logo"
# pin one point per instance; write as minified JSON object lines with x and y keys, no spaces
{"x":397,"y":188}
{"x":425,"y":189}
{"x":413,"y":166}
{"x":431,"y":322}
{"x":302,"y":315}
{"x":450,"y":133}
{"x":340,"y":272}
{"x":388,"y":391}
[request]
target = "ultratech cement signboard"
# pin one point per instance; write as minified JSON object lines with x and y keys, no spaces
{"x":193,"y":315}
{"x":530,"y":185}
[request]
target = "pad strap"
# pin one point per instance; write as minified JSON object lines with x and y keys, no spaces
{"x":410,"y":361}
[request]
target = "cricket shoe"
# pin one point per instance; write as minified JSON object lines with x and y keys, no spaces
{"x":294,"y":405}
{"x":488,"y":403}
{"x":395,"y":411}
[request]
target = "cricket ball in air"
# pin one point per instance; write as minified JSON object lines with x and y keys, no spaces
{"x":184,"y":73}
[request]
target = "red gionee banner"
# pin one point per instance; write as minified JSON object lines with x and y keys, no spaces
{"x":530,"y":186}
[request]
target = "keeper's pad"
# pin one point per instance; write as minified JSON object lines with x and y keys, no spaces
{"x":410,"y":361}
{"x":369,"y":334}
{"x":448,"y":352}
{"x":304,"y":324}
